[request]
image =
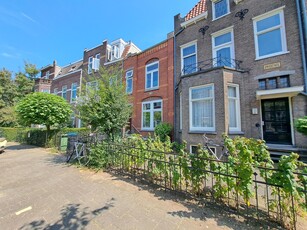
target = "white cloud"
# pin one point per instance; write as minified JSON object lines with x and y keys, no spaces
{"x":29,"y":18}
{"x":7,"y":55}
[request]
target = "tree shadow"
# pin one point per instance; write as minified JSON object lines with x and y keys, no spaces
{"x":18,"y":146}
{"x":73,"y":216}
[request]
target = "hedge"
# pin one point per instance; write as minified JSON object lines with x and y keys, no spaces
{"x":38,"y":137}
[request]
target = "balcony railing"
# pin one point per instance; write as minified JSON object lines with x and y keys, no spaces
{"x":212,"y":63}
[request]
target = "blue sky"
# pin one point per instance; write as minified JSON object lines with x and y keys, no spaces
{"x":41,"y":31}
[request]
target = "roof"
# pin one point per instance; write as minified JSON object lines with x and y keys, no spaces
{"x":70,"y":68}
{"x":198,"y":9}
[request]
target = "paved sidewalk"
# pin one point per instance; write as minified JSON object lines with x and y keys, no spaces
{"x":39,"y":191}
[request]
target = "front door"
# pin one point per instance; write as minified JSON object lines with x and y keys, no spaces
{"x":276,"y":121}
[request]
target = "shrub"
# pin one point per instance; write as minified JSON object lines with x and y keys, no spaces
{"x":163,"y":130}
{"x":301,"y":125}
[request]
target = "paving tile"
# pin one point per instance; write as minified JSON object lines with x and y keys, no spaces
{"x":67,"y":197}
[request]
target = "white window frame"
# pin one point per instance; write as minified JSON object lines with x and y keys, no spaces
{"x":180,"y":111}
{"x":181,"y":54}
{"x":90,"y":84}
{"x":209,"y":129}
{"x":282,"y":28}
{"x":72,"y":90}
{"x":45,"y":90}
{"x":90,"y":65}
{"x":213,"y":9}
{"x":64,"y":89}
{"x":238,"y":108}
{"x":152,"y":110}
{"x":55,"y":91}
{"x":191,"y":146}
{"x":47,"y":74}
{"x":151,"y":78}
{"x":129,"y":76}
{"x":96,"y":62}
{"x":230,"y":44}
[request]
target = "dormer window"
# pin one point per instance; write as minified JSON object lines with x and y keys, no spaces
{"x":115,"y":51}
{"x":220,"y":8}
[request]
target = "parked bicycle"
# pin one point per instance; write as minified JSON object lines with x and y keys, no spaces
{"x":79,"y":152}
{"x":213,"y":147}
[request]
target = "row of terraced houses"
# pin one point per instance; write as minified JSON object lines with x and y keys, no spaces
{"x":230,"y":66}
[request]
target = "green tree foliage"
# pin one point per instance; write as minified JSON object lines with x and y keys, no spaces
{"x":23,"y":85}
{"x":301,"y":125}
{"x":163,"y":130}
{"x":44,"y":109}
{"x":106,"y":106}
{"x":31,"y":70}
{"x":7,"y":98}
{"x":11,"y":91}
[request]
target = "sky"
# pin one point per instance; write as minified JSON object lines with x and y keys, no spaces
{"x":39,"y":32}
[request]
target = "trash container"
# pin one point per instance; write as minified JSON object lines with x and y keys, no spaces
{"x":63,"y":143}
{"x":71,"y":139}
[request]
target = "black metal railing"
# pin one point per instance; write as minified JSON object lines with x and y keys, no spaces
{"x":170,"y":171}
{"x":211,"y":63}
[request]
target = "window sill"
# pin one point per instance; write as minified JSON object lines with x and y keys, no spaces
{"x":147,"y":130}
{"x":271,"y":55}
{"x":236,"y":133}
{"x":151,"y":89}
{"x":202,"y":132}
{"x":221,"y":16}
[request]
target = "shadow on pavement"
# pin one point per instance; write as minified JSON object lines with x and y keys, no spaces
{"x":200,"y":209}
{"x":73,"y":216}
{"x":18,"y":146}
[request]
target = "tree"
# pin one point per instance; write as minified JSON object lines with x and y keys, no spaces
{"x":31,"y":70}
{"x":43,"y":109}
{"x":7,"y":98}
{"x":23,"y":84}
{"x":105,"y":106}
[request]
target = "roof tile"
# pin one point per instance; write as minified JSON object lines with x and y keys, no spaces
{"x":198,"y":9}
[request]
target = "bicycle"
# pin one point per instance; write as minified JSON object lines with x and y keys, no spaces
{"x":80,"y":153}
{"x":208,"y":144}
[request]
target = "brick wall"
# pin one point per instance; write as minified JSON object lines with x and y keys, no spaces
{"x":245,"y":51}
{"x":164,"y":53}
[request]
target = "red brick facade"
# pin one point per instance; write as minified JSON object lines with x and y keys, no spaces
{"x":161,"y":53}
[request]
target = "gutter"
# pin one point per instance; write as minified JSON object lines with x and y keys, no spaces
{"x":302,"y":23}
{"x":175,"y":87}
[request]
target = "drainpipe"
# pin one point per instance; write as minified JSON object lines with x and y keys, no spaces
{"x":302,"y":23}
{"x":80,"y":90}
{"x":175,"y":61}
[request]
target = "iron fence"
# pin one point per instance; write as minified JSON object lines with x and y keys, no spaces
{"x":209,"y":179}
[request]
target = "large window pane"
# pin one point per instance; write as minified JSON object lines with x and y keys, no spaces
{"x":189,"y":50}
{"x":189,"y":64}
{"x":157,"y":118}
{"x":221,"y":8}
{"x":148,"y":81}
{"x":152,"y":114}
{"x":268,"y":22}
{"x":232,"y":114}
{"x":202,"y":108}
{"x":155,"y":79}
{"x":270,"y":42}
{"x":202,"y":113}
{"x":222,"y":39}
{"x":146,"y":120}
{"x":202,"y":93}
{"x":223,"y":57}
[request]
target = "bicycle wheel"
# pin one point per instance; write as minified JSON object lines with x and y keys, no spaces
{"x":84,"y":159}
{"x":70,"y":154}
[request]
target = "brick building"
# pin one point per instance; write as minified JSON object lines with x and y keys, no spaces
{"x":43,"y":83}
{"x":239,"y":70}
{"x":149,"y":81}
{"x":67,"y":81}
